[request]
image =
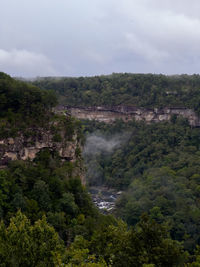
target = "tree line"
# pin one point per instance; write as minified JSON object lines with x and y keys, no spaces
{"x":48,"y":218}
{"x":141,"y":90}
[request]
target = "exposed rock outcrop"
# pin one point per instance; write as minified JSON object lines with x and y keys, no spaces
{"x":126,"y":113}
{"x":26,"y":148}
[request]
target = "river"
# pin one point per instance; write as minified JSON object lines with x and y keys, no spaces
{"x":104,"y":198}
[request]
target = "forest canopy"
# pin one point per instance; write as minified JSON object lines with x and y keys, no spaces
{"x":157,"y":167}
{"x":141,"y":90}
{"x":23,"y":99}
{"x":47,"y":216}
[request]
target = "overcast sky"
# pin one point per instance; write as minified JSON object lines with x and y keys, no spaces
{"x":92,"y":37}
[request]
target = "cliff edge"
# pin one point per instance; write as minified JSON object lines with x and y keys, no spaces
{"x":127,"y":113}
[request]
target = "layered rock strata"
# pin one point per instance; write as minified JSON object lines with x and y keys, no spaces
{"x":126,"y":113}
{"x":26,"y":148}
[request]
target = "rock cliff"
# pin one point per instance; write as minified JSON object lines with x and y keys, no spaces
{"x":22,"y":147}
{"x":126,"y":113}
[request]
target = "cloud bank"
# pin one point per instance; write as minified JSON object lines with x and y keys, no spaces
{"x":76,"y":37}
{"x":24,"y":62}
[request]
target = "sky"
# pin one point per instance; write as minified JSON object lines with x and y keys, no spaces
{"x":95,"y":37}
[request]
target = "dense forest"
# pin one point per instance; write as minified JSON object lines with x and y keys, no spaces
{"x":48,"y":218}
{"x":157,"y":167}
{"x":23,"y":105}
{"x":142,"y":90}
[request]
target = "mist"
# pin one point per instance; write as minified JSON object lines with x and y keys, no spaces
{"x":99,"y":147}
{"x":99,"y":143}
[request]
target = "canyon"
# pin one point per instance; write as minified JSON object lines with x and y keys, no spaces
{"x":24,"y":147}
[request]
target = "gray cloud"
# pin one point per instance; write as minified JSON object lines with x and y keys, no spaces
{"x":24,"y":62}
{"x":75,"y":37}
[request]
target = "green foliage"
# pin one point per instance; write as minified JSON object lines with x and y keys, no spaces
{"x":23,"y":244}
{"x":22,"y":105}
{"x":47,"y":186}
{"x":196,"y":262}
{"x":142,"y":90}
{"x":167,"y":144}
{"x":78,"y":254}
{"x":158,"y":164}
{"x":20,"y":97}
{"x":148,"y":244}
{"x":39,"y":189}
{"x":158,"y":168}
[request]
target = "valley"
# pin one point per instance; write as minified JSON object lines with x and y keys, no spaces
{"x":114,"y":176}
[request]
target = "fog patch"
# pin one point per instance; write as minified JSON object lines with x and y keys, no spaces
{"x":98,"y":151}
{"x":97,"y":143}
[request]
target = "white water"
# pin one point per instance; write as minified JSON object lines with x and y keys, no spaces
{"x":104,"y":198}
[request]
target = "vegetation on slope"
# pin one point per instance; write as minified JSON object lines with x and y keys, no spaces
{"x":23,"y":105}
{"x":47,"y":216}
{"x":158,"y":168}
{"x":141,"y":90}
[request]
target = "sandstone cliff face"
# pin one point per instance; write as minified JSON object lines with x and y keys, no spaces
{"x":109,"y":114}
{"x":26,"y":148}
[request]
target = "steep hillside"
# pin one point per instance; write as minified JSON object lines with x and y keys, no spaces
{"x":28,"y":125}
{"x":47,"y":216}
{"x":35,"y":144}
{"x":41,"y":170}
{"x":157,"y":165}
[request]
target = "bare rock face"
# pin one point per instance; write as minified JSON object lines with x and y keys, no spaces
{"x":26,"y":148}
{"x":126,"y":113}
